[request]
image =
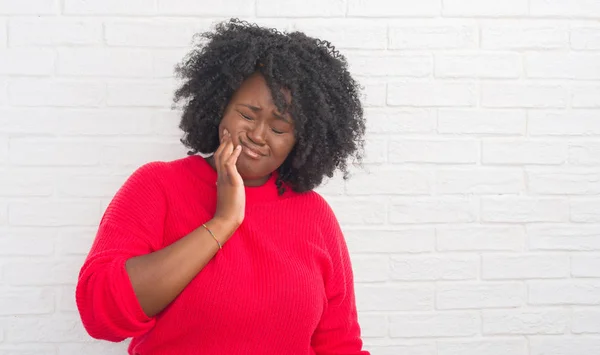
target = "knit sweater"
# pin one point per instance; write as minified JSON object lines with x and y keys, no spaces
{"x":282,"y":284}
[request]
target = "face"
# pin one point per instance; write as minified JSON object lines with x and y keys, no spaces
{"x":266,"y":135}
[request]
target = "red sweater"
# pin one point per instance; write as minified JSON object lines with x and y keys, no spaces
{"x":282,"y":284}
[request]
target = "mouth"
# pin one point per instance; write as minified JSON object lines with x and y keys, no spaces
{"x":250,"y":152}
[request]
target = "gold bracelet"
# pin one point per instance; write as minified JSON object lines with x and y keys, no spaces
{"x":211,"y":233}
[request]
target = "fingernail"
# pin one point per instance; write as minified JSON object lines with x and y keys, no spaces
{"x":225,"y":131}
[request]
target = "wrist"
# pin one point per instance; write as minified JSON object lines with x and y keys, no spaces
{"x":222,"y":228}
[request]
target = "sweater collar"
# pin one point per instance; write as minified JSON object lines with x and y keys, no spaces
{"x":263,"y":193}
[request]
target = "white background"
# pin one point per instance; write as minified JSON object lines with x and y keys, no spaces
{"x":474,"y":230}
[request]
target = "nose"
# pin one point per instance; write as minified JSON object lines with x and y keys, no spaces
{"x":257,"y":133}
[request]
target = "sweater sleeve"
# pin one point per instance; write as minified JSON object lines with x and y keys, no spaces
{"x":338,"y":331}
{"x":132,"y":225}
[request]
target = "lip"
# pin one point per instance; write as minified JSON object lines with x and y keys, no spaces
{"x":252,"y":153}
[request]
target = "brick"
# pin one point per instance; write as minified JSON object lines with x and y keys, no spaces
{"x":584,"y":153}
{"x":400,"y":120}
{"x":92,"y":185}
{"x":370,"y":268}
{"x":54,"y":31}
{"x":113,"y":62}
{"x":56,"y":93}
{"x":523,"y":95}
{"x":393,"y":8}
{"x":3,"y":213}
{"x":81,"y":122}
{"x":4,"y":92}
{"x":26,"y":242}
{"x":165,"y":122}
{"x":3,"y":33}
{"x":479,"y":181}
{"x":564,"y":346}
{"x":55,"y":329}
{"x":564,"y":237}
{"x":54,"y":151}
{"x":17,"y":182}
{"x":522,"y":34}
{"x":27,"y":349}
{"x":522,"y":209}
{"x":433,"y":210}
{"x":164,"y":61}
{"x":585,"y":37}
{"x":394,"y":297}
{"x":153,"y":33}
{"x":206,"y":8}
{"x":66,"y":299}
{"x":484,"y":8}
{"x":579,"y":66}
{"x":75,"y":241}
{"x":572,"y":181}
{"x":4,"y":144}
{"x":478,"y":121}
{"x":425,"y":35}
{"x":384,"y":180}
{"x":42,"y":273}
{"x":431,"y":94}
{"x":27,"y":62}
{"x":571,"y":292}
{"x":156,"y":93}
{"x":373,"y":325}
{"x":359,"y":210}
{"x":412,"y":150}
{"x":586,"y":321}
{"x":434,"y":268}
{"x":374,"y":93}
{"x":346,"y":33}
{"x":109,"y":7}
{"x":29,"y":7}
{"x":525,"y":266}
{"x":585,"y":211}
{"x":585,"y":96}
{"x":407,"y":240}
{"x":478,"y":65}
{"x":92,"y":348}
{"x":525,"y":321}
{"x":139,"y":151}
{"x":565,"y":8}
{"x":381,"y":64}
{"x":26,"y":301}
{"x":332,"y":186}
{"x":410,"y":348}
{"x":560,"y":123}
{"x":461,"y":295}
{"x":54,"y":213}
{"x":480,"y":238}
{"x":519,"y":151}
{"x":298,"y":8}
{"x":486,"y":346}
{"x":440,"y":324}
{"x":585,"y":265}
{"x":376,"y":150}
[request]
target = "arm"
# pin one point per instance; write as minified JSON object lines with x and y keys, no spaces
{"x":338,"y":331}
{"x":128,"y":277}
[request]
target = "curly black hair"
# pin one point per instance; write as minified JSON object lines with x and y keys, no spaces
{"x":326,"y":108}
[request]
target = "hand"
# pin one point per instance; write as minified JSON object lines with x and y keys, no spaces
{"x":231,"y":197}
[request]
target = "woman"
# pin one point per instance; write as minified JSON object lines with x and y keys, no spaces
{"x":234,"y":253}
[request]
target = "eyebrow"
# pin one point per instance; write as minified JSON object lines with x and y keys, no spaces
{"x":257,"y":109}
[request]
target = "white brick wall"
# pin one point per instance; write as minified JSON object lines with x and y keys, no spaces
{"x":474,"y":229}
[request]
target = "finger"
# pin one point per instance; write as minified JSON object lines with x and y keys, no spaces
{"x":232,"y":171}
{"x":219,"y":152}
{"x":225,"y":153}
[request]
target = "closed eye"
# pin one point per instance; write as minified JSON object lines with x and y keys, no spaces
{"x":246,"y":117}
